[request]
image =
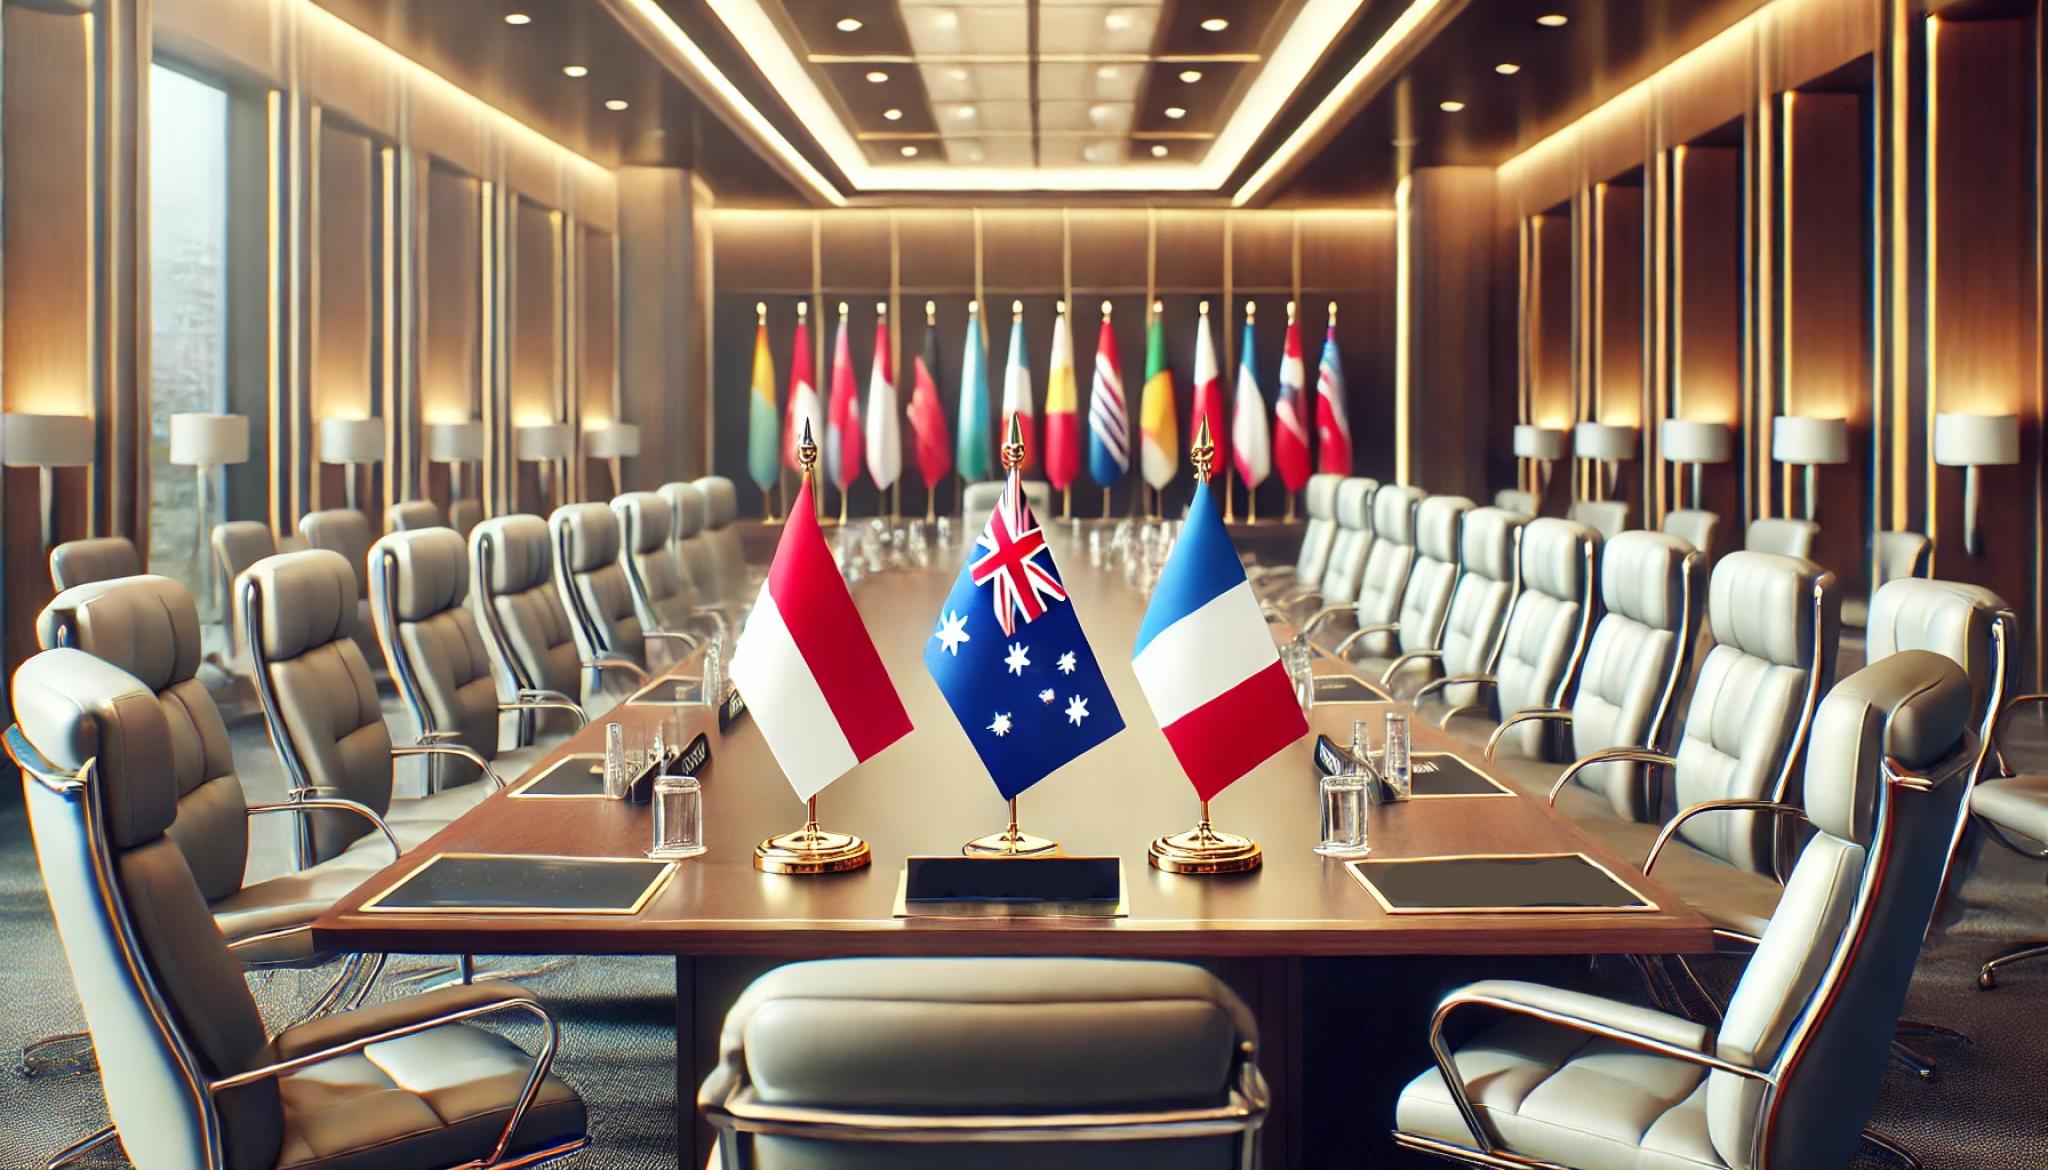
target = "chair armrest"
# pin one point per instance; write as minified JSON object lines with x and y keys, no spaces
{"x":576,"y":709}
{"x":437,"y":736}
{"x":1453,"y":680}
{"x":334,"y":803}
{"x":691,"y":641}
{"x":1473,"y":709}
{"x":1670,"y":829}
{"x":1351,"y":639}
{"x":1403,"y":661}
{"x":459,"y":751}
{"x":609,"y":662}
{"x":472,"y":1003}
{"x":1525,"y":715}
{"x":1608,"y":756}
{"x":718,"y":616}
{"x":1327,"y":612}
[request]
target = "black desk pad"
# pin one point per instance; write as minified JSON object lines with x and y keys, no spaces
{"x":573,"y":777}
{"x":498,"y":883}
{"x":1434,"y":775}
{"x":1347,"y":688}
{"x":951,"y":886}
{"x":1505,"y":883}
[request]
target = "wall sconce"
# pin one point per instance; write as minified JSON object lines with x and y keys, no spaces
{"x":457,"y":444}
{"x":1971,"y":441}
{"x":1545,"y":445}
{"x":612,"y":441}
{"x":1695,"y":444}
{"x":1809,"y":443}
{"x":1607,"y":443}
{"x":46,"y":442}
{"x":204,"y":442}
{"x":352,"y":442}
{"x":545,"y":444}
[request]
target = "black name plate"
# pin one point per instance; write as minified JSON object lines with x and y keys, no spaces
{"x":1347,"y":688}
{"x":1078,"y":885}
{"x":731,"y":709}
{"x":1332,"y":760}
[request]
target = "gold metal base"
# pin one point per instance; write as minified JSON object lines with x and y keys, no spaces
{"x":1203,"y":849}
{"x":1011,"y":842}
{"x":811,"y":850}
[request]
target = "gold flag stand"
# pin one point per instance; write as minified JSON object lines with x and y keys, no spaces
{"x":1204,"y":849}
{"x":811,"y":850}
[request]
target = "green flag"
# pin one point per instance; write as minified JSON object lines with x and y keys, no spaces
{"x":972,"y":452}
{"x":764,"y":432}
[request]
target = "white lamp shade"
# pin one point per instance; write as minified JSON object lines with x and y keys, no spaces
{"x":1689,"y":440}
{"x":351,"y":440}
{"x":1534,"y":442}
{"x":1605,"y":441}
{"x":46,"y":440}
{"x":539,"y":441}
{"x":1976,"y":440}
{"x":612,"y":441}
{"x":209,"y":440}
{"x":461,"y":442}
{"x":1804,"y":441}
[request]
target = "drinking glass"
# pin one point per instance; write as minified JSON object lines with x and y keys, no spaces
{"x":712,"y":672}
{"x":617,"y":772}
{"x":678,"y":817}
{"x":1344,"y":815}
{"x":1396,"y":768}
{"x":1300,"y":666}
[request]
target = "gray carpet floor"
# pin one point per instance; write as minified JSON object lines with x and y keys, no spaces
{"x":618,"y":1043}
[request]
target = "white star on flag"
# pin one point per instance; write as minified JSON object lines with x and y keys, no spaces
{"x":1019,"y":658}
{"x":1002,"y":724}
{"x":1066,"y":662}
{"x":1045,"y":696}
{"x":1077,"y":710}
{"x":952,"y":632}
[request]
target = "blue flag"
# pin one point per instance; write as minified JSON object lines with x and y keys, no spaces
{"x":1009,"y":655}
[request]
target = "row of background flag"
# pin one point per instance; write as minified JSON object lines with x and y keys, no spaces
{"x":1304,"y":428}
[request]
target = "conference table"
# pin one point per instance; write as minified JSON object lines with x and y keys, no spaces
{"x":928,"y":794}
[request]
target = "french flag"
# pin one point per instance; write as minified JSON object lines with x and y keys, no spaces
{"x":813,"y":682}
{"x":1207,"y":663}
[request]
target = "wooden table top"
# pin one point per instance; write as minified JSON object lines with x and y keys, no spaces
{"x":928,"y":794}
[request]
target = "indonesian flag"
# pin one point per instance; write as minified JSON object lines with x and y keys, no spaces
{"x":885,"y":442}
{"x":927,"y":414}
{"x":1290,"y":413}
{"x":1017,"y":388}
{"x":1158,"y":424}
{"x":1062,"y":421}
{"x":804,"y":408}
{"x":812,"y":679}
{"x":1209,"y":392}
{"x":842,"y":432}
{"x":1248,"y":438}
{"x":1333,"y":431}
{"x":1206,"y":660}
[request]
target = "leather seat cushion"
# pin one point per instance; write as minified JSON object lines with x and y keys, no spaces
{"x":1565,"y":1097}
{"x":435,"y":1098}
{"x":295,"y":899}
{"x":2018,"y":804}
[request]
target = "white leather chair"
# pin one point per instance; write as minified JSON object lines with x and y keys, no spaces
{"x":728,"y":558}
{"x":1695,"y":526}
{"x":465,"y":514}
{"x":1336,"y":591}
{"x":347,"y":532}
{"x":1609,"y":518}
{"x":190,"y":1075}
{"x":412,"y":515}
{"x":663,"y":596}
{"x":1517,"y":501}
{"x":1781,"y":535}
{"x":1556,"y":1077}
{"x":597,"y":596}
{"x":526,"y":629}
{"x":95,"y":558}
{"x":689,"y":547}
{"x":1895,"y":554}
{"x":1318,"y":533}
{"x":1489,"y":579}
{"x":1387,"y":564}
{"x":1426,"y":597}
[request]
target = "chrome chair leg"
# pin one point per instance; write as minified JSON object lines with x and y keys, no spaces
{"x":66,"y":1053}
{"x":338,"y":990}
{"x":373,"y":968}
{"x":1987,"y":976}
{"x":1891,"y":1148}
{"x":1915,"y":1061}
{"x":1706,"y":997}
{"x":80,"y":1148}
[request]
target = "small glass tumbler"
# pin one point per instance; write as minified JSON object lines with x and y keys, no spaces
{"x":1344,"y":815}
{"x":1396,"y":768}
{"x":1299,"y":664}
{"x":678,"y":817}
{"x":712,"y":688}
{"x":618,"y":775}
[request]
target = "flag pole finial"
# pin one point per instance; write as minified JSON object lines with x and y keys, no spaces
{"x":1205,"y":308}
{"x":842,"y":308}
{"x":1203,"y":452}
{"x":1016,"y":310}
{"x":973,"y":307}
{"x":1013,"y":446}
{"x":803,"y":309}
{"x":807,"y":450}
{"x":1290,"y":312}
{"x":931,"y":312}
{"x":881,"y":308}
{"x":760,"y":312}
{"x":1060,"y":307}
{"x":1105,"y":310}
{"x":1333,"y":314}
{"x":1251,"y":309}
{"x":1158,"y":308}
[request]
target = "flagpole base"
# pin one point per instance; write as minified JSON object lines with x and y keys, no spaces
{"x":811,"y":850}
{"x":1010,"y":843}
{"x":1204,"y":850}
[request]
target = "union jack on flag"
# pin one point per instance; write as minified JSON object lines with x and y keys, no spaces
{"x":1012,"y":542}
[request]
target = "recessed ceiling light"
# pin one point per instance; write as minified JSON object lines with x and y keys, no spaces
{"x":1553,"y":20}
{"x":575,"y":71}
{"x":1107,"y":73}
{"x":1117,"y":21}
{"x":957,"y":74}
{"x":964,"y":112}
{"x":1215,"y":24}
{"x":877,"y":77}
{"x":947,"y":19}
{"x":1176,"y":112}
{"x":910,"y":152}
{"x":1158,"y":150}
{"x":1097,"y":151}
{"x":1191,"y":76}
{"x":615,"y":104}
{"x":892,"y":113}
{"x":1507,"y":68}
{"x":849,"y":24}
{"x":975,"y":154}
{"x":518,"y":18}
{"x":1450,"y":106}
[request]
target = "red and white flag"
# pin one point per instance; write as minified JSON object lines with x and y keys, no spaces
{"x":812,"y":679}
{"x":1209,"y":391}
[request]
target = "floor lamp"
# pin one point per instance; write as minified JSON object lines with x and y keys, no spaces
{"x":457,"y":444}
{"x":1808,"y":443}
{"x":1541,"y":446}
{"x":612,"y":442}
{"x":1971,"y":441}
{"x":545,"y":444}
{"x":352,"y":442}
{"x":1693,"y":443}
{"x":204,"y":442}
{"x":1607,"y":444}
{"x":46,"y":442}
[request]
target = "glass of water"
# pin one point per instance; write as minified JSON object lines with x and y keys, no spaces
{"x":1299,"y":664}
{"x":1344,"y":814}
{"x":678,"y":817}
{"x":712,"y":687}
{"x":1396,"y":767}
{"x":617,"y":772}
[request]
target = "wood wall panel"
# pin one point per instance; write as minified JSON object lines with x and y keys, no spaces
{"x":853,"y":252}
{"x":536,"y":370}
{"x":1552,"y":390}
{"x":1447,"y":424}
{"x":344,"y":383}
{"x":1706,"y":308}
{"x":1617,"y":375}
{"x":1108,"y":247}
{"x":1188,"y":249}
{"x":597,"y":357}
{"x":1262,"y":252}
{"x":1021,"y":252}
{"x":936,"y":247}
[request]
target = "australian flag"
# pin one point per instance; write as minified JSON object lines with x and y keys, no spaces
{"x":1009,"y":655}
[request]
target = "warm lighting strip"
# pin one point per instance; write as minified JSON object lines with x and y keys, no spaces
{"x":1526,"y":310}
{"x":1931,"y":315}
{"x":1786,"y":375}
{"x":1900,"y":252}
{"x":273,"y":338}
{"x":1404,"y":265}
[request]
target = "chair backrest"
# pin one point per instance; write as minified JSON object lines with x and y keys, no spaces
{"x":1967,"y":624}
{"x":1320,"y":532}
{"x":165,"y":1001}
{"x":319,"y":703}
{"x":527,"y":632}
{"x":1433,"y":576}
{"x":465,"y":514}
{"x":412,"y":515}
{"x":1385,"y":579}
{"x":1344,"y":568}
{"x":1899,"y":553}
{"x":237,"y":544}
{"x":1781,"y":535}
{"x":1489,"y":549}
{"x":345,"y":531}
{"x":1637,"y":655}
{"x":1609,"y":518}
{"x":728,"y":559}
{"x":95,"y":558}
{"x":419,"y":582}
{"x":662,"y":596}
{"x":593,"y":584}
{"x":149,"y":627}
{"x":1515,"y":500}
{"x":1549,"y":626}
{"x":1817,"y":1003}
{"x":1776,"y":621}
{"x":688,"y":545}
{"x":1695,"y":526}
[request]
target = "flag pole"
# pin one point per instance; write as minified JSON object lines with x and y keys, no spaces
{"x":1012,"y":841}
{"x":1204,"y":849}
{"x":811,"y":850}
